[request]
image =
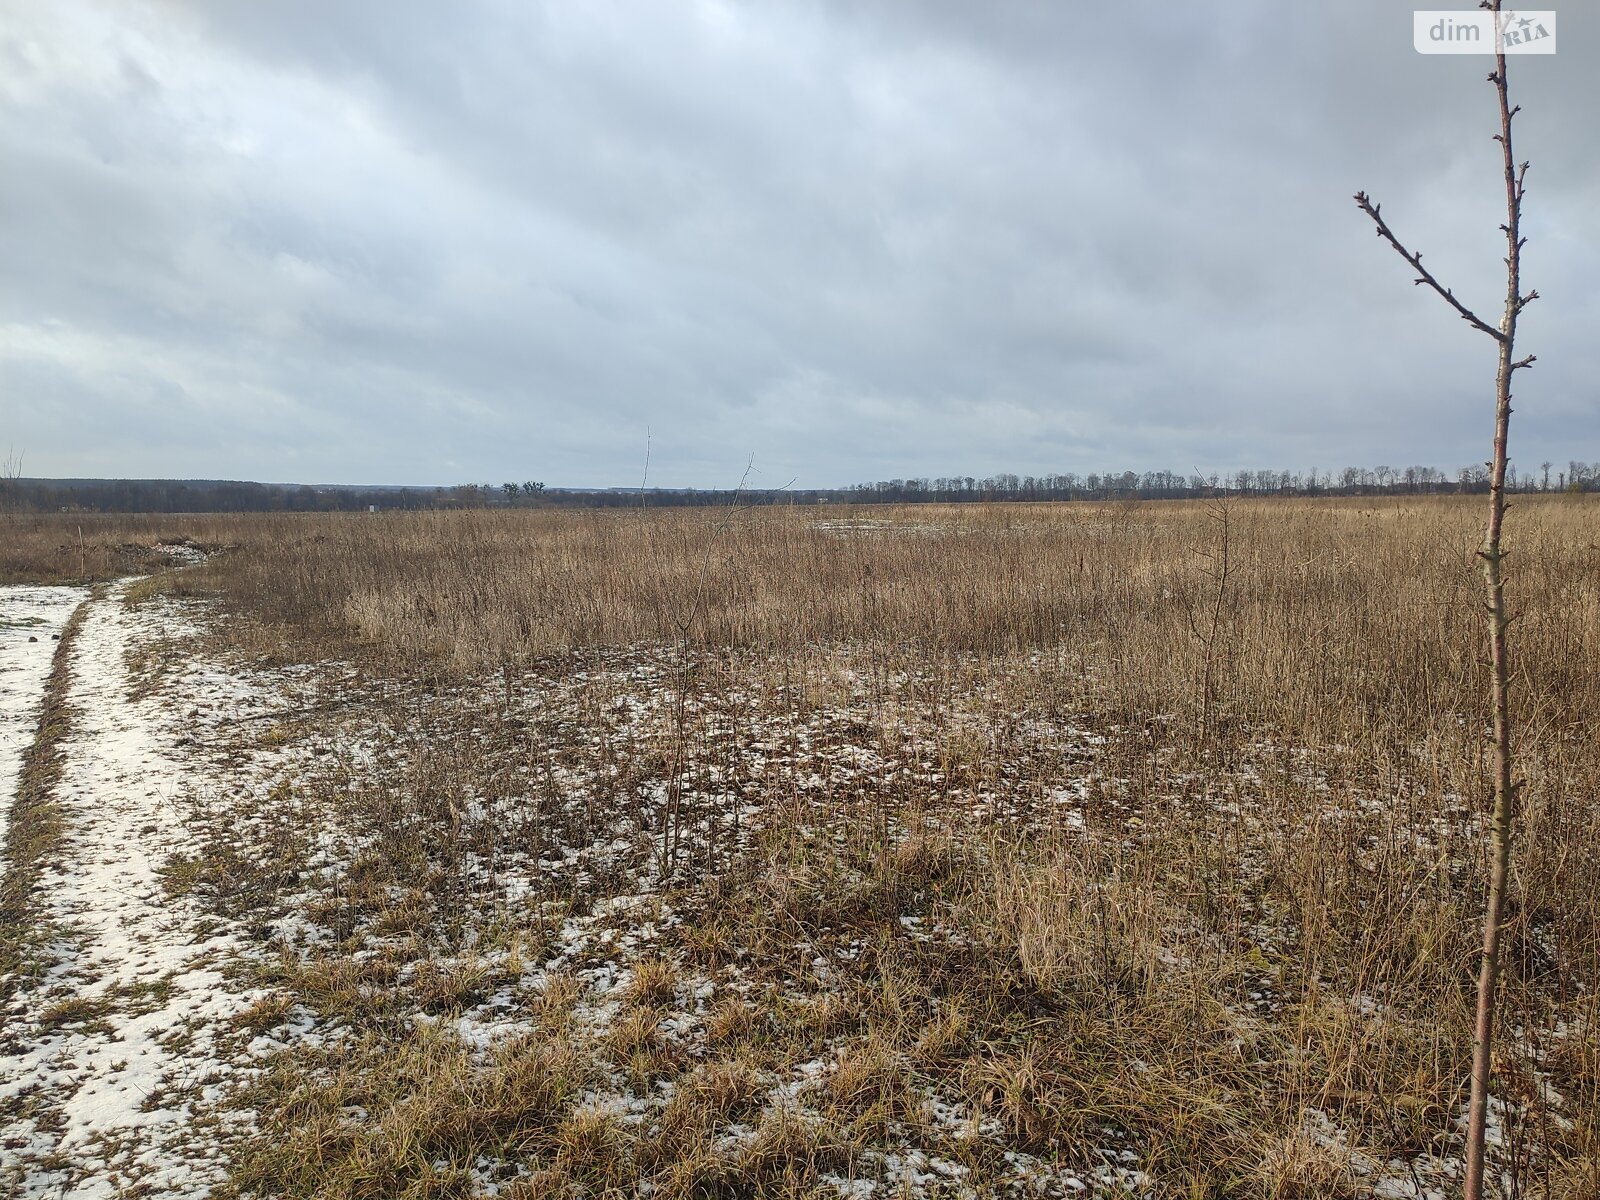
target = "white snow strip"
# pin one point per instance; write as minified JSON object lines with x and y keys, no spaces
{"x":107,"y":1089}
{"x":31,"y":619}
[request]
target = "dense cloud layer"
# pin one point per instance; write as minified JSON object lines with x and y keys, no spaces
{"x":412,"y":242}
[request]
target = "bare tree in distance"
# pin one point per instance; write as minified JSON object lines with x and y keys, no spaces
{"x":1502,"y":825}
{"x":10,"y":482}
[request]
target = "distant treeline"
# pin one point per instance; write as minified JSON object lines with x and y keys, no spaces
{"x":198,"y":495}
{"x":213,"y":495}
{"x":1166,"y":485}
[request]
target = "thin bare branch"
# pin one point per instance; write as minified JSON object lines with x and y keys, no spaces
{"x":1423,"y":274}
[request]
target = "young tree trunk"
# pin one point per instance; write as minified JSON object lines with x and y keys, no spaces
{"x":1502,"y":824}
{"x":1502,"y":827}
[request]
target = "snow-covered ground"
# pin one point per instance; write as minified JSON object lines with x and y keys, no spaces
{"x":121,"y":1042}
{"x":31,"y":619}
{"x":113,"y":1040}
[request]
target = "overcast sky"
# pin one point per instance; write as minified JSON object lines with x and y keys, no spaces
{"x":395,"y":241}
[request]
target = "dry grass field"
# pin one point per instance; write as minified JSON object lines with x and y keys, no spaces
{"x":937,"y":851}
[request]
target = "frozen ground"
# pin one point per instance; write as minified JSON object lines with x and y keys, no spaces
{"x":31,"y":619}
{"x":113,"y":1035}
{"x":452,"y":860}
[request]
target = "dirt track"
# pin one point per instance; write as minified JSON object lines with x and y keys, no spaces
{"x":121,"y":1001}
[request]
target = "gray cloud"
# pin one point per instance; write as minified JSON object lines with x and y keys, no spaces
{"x":400,"y":242}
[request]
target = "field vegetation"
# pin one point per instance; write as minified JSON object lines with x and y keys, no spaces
{"x":939,"y":850}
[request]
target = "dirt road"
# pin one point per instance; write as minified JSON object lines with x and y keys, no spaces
{"x":118,"y":997}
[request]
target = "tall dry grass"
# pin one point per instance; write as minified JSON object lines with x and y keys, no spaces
{"x":96,"y":547}
{"x":1345,"y":620}
{"x":1257,"y":921}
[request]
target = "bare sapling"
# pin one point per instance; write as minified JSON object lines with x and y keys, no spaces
{"x":11,"y":483}
{"x":683,"y":622}
{"x":1502,"y":825}
{"x":1208,"y":628}
{"x":1217,"y":570}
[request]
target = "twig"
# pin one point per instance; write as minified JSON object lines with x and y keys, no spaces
{"x":1423,"y":274}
